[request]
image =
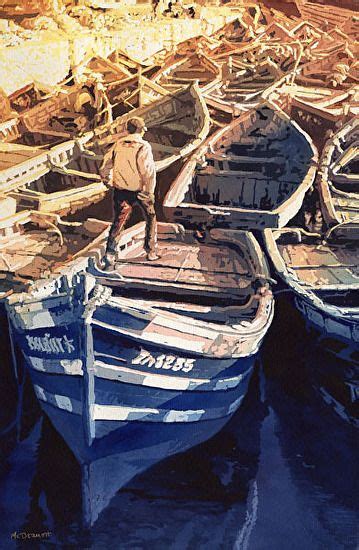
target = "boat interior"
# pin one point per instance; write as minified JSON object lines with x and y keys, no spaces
{"x":25,"y":98}
{"x":327,"y":264}
{"x":195,"y":67}
{"x":61,"y":193}
{"x":214,"y":277}
{"x":243,"y":85}
{"x":256,"y":164}
{"x":33,"y":243}
{"x":61,"y":117}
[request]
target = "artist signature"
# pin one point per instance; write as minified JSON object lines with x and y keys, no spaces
{"x":25,"y":535}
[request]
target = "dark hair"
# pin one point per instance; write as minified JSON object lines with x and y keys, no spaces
{"x":135,"y":125}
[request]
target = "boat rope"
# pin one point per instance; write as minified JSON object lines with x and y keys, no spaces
{"x":51,"y":224}
{"x":299,"y":231}
{"x":6,"y":294}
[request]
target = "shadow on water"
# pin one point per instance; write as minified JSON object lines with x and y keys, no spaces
{"x":196,"y":499}
{"x":292,"y":355}
{"x":317,"y":447}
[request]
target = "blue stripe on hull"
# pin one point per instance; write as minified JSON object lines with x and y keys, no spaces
{"x":58,"y":384}
{"x":117,"y":393}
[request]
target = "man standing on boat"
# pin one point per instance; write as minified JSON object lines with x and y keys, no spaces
{"x":130,"y":170}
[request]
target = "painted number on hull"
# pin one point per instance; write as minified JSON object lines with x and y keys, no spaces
{"x":166,"y":362}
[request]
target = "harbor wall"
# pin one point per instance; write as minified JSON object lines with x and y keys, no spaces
{"x":48,"y":56}
{"x":44,"y":59}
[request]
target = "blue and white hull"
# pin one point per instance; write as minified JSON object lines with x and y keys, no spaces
{"x":114,"y":393}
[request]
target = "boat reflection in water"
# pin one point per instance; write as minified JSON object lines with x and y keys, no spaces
{"x":333,"y":381}
{"x":209,"y":484}
{"x":319,"y":451}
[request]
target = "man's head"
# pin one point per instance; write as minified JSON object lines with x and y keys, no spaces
{"x":136,"y":125}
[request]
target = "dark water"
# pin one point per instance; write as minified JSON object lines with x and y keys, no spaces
{"x":283,"y":474}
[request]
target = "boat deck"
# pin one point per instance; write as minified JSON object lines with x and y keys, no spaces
{"x":205,"y":265}
{"x":31,"y":254}
{"x":322,"y":265}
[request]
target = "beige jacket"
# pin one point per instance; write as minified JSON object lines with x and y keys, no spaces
{"x":129,"y":165}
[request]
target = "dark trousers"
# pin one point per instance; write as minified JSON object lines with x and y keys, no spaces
{"x":123,"y":202}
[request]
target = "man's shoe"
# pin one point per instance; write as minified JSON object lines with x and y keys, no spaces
{"x":108,"y":262}
{"x":152,"y":256}
{"x":199,"y":235}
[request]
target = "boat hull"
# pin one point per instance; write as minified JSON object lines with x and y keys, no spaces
{"x":131,"y":426}
{"x":339,"y":335}
{"x":141,"y":386}
{"x":134,"y":405}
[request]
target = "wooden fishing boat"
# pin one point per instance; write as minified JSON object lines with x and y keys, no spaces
{"x":81,"y":109}
{"x":249,"y":25}
{"x":33,"y":245}
{"x":106,"y":91}
{"x":321,"y":269}
{"x":21,"y":165}
{"x":27,"y":97}
{"x":15,"y":105}
{"x":307,"y":33}
{"x":338,"y":181}
{"x":318,"y":110}
{"x":66,"y":177}
{"x":61,"y":191}
{"x":176,"y":125}
{"x":70,"y":112}
{"x":188,"y":68}
{"x":158,"y":365}
{"x":251,"y":174}
{"x":242,"y":87}
{"x":339,"y":70}
{"x":331,"y":42}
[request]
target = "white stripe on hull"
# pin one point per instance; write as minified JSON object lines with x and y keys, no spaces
{"x":132,"y":376}
{"x":59,"y":401}
{"x":140,"y":378}
{"x":125,"y":414}
{"x":72,"y":367}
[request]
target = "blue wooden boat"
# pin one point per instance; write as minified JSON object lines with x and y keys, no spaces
{"x":157,"y":363}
